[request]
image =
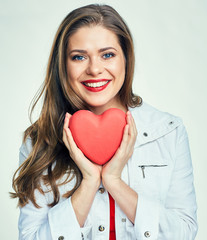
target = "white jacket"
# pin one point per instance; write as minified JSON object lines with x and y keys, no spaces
{"x":160,"y":171}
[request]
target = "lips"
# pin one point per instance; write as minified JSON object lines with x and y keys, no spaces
{"x":96,"y":85}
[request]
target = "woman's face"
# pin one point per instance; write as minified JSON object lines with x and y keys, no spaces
{"x":96,"y":67}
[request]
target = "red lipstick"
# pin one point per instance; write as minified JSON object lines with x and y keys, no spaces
{"x":96,"y":85}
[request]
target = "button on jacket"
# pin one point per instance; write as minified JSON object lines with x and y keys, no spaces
{"x":160,"y":171}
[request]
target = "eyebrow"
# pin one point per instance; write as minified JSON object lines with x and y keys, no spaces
{"x":84,"y":51}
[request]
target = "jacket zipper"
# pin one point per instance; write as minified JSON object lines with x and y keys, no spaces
{"x":144,"y":166}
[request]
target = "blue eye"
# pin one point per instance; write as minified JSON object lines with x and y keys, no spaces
{"x":78,"y":57}
{"x":108,"y":55}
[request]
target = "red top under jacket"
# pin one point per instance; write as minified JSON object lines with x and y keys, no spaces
{"x":112,"y":235}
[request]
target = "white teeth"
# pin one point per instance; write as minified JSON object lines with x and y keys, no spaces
{"x":97,"y":84}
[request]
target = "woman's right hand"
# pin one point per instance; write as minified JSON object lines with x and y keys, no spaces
{"x":89,"y":170}
{"x":91,"y":176}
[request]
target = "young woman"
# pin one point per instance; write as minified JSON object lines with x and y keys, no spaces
{"x":146,"y":190}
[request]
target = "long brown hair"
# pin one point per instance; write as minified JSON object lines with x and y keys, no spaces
{"x":49,"y":154}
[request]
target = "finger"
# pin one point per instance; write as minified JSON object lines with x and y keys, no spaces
{"x":65,"y":140}
{"x":65,"y":124}
{"x":125,"y":136}
{"x":66,"y":121}
{"x":70,"y":139}
{"x":132,"y":133}
{"x":129,"y":121}
{"x":134,"y":125}
{"x":69,"y":117}
{"x":66,"y":132}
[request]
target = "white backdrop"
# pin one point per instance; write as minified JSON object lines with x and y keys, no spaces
{"x":171,"y":69}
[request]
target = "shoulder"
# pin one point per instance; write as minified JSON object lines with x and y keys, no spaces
{"x":149,"y":115}
{"x":152,"y":123}
{"x":24,"y":150}
{"x":26,"y":146}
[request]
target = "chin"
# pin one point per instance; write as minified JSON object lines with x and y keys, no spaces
{"x":99,"y":107}
{"x":97,"y":103}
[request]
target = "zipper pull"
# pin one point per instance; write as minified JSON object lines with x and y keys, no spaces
{"x":143,"y":174}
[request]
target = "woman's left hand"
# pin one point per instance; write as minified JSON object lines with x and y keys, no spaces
{"x":112,"y":170}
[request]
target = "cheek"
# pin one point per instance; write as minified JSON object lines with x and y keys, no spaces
{"x":77,"y":70}
{"x":72,"y":73}
{"x":119,"y":70}
{"x":72,"y":78}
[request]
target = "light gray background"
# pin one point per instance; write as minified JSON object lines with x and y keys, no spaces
{"x":171,"y":69}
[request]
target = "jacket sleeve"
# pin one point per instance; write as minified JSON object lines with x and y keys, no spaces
{"x":45,"y":223}
{"x":176,"y":217}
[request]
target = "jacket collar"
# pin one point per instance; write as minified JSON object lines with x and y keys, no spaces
{"x":152,"y":124}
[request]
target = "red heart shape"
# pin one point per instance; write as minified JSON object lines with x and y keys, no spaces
{"x":98,"y":136}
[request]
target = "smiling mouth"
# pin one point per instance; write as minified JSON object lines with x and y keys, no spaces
{"x":95,"y":84}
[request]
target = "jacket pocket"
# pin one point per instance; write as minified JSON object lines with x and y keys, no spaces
{"x":153,"y":179}
{"x":144,"y":167}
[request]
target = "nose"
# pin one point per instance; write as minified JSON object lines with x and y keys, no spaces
{"x":95,"y":67}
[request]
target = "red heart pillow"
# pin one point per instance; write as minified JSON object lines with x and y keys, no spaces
{"x":98,"y":136}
